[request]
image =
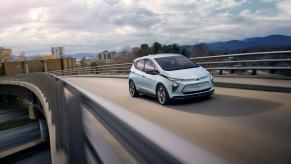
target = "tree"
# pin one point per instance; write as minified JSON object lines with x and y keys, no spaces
{"x":157,"y":48}
{"x":175,"y":48}
{"x":166,"y":49}
{"x":144,"y":50}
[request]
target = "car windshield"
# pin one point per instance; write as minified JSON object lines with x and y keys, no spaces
{"x":172,"y":63}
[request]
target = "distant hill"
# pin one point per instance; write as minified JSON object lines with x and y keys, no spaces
{"x":255,"y":44}
{"x":268,"y":43}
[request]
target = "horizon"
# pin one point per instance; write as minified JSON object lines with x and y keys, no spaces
{"x":130,"y":47}
{"x":101,"y":25}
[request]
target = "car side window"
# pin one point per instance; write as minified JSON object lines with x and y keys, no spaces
{"x":139,"y":65}
{"x":149,"y":65}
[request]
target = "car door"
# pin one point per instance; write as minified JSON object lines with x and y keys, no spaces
{"x":138,"y":74}
{"x":149,"y":79}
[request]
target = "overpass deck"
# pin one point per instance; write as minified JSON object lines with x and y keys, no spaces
{"x":254,"y":83}
{"x":242,"y":126}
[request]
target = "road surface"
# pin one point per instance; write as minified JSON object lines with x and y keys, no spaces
{"x":242,"y":126}
{"x":11,"y":138}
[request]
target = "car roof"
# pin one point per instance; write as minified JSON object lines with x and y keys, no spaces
{"x":152,"y":56}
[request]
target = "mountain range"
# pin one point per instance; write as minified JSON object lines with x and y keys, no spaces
{"x":256,"y":44}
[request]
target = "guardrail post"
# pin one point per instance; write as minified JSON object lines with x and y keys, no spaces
{"x":95,"y":70}
{"x":26,"y":68}
{"x":272,"y":71}
{"x":254,"y":72}
{"x":45,"y":67}
{"x":220,"y":71}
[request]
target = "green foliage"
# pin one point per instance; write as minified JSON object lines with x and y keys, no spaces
{"x":93,"y":64}
{"x":144,"y":50}
{"x":157,"y":48}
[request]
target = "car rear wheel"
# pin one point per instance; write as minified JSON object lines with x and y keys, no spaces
{"x":132,"y":89}
{"x":162,"y":95}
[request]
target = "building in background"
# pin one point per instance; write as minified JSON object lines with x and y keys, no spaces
{"x":58,"y":51}
{"x":21,"y":57}
{"x":30,"y":66}
{"x":5,"y":55}
{"x":45,"y":57}
{"x":106,"y":56}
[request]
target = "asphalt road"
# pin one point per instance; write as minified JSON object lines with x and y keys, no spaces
{"x":242,"y":126}
{"x":20,"y":135}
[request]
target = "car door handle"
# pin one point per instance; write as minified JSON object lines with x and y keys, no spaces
{"x":143,"y":76}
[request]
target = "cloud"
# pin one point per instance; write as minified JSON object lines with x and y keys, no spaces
{"x":94,"y":25}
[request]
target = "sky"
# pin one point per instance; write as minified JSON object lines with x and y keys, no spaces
{"x":33,"y":26}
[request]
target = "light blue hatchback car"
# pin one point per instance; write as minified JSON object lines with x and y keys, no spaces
{"x":169,"y":76}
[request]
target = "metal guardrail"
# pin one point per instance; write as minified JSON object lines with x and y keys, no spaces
{"x":144,"y":141}
{"x":273,"y":61}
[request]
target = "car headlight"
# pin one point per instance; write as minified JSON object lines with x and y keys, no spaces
{"x":175,"y":84}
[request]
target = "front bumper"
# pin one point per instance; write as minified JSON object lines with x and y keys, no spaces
{"x":201,"y":93}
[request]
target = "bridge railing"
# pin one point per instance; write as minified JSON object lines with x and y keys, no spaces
{"x":143,"y":141}
{"x":103,"y":69}
{"x":246,"y":63}
{"x":276,"y":61}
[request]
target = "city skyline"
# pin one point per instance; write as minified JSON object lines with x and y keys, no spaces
{"x":96,"y":25}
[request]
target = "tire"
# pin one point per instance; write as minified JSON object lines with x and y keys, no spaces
{"x":132,"y":89}
{"x":208,"y":96}
{"x":162,"y":95}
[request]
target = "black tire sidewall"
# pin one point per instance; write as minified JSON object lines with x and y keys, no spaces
{"x":167,"y":99}
{"x":135,"y":91}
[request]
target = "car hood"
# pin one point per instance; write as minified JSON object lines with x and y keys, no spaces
{"x":192,"y":73}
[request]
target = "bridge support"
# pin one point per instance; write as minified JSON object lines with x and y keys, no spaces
{"x":43,"y":129}
{"x":32,"y":112}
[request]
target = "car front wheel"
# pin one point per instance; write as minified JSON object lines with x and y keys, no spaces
{"x":162,"y":95}
{"x":132,"y":89}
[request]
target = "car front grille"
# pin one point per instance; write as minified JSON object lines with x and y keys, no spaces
{"x":196,"y":88}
